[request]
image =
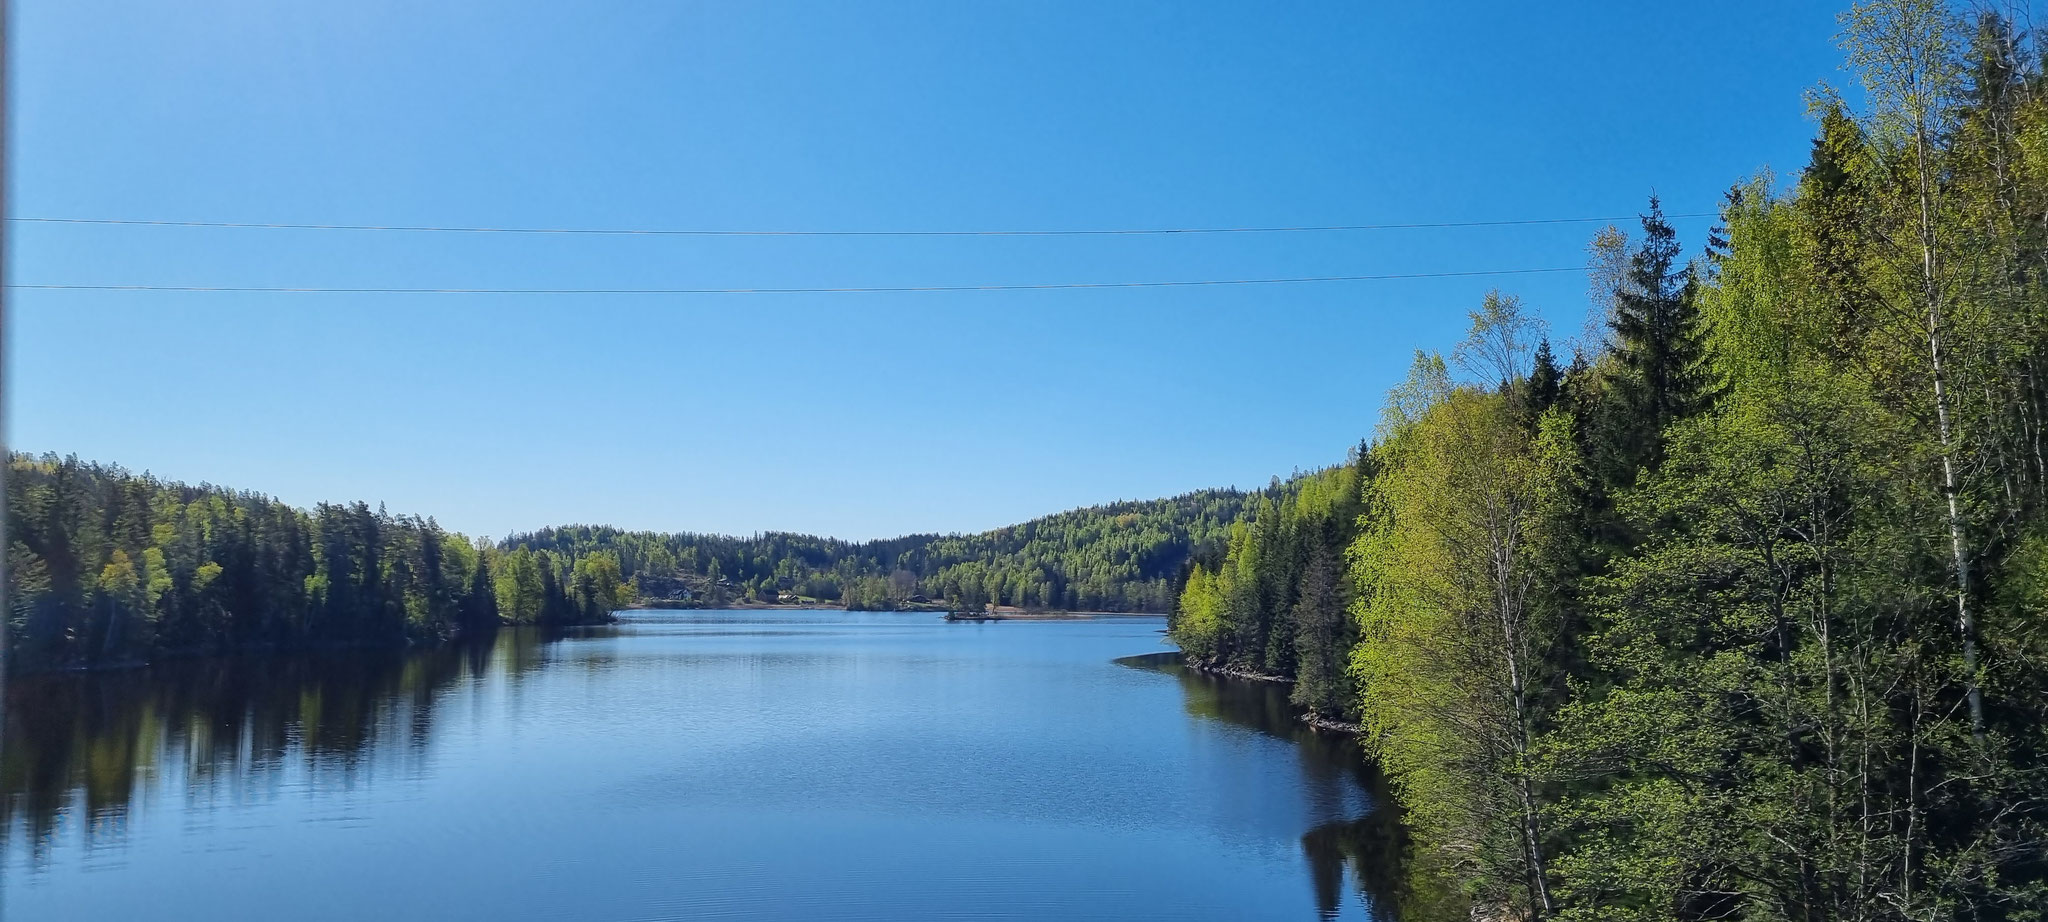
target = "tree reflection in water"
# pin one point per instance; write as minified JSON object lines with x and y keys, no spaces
{"x":1372,"y":845}
{"x":80,"y":747}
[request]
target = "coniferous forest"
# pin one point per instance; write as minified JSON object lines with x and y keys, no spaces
{"x":1736,"y":613}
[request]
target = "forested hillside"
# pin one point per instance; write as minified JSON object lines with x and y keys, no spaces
{"x":1123,"y":556}
{"x":1274,"y":602}
{"x":106,"y":566}
{"x":1739,"y":614}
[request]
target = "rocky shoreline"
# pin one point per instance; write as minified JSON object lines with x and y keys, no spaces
{"x":1313,"y":720}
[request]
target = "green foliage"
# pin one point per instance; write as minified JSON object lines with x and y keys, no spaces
{"x":1125,"y":556}
{"x":1740,"y":616}
{"x":1659,"y":369}
{"x":1197,"y":622}
{"x":1450,"y":645}
{"x":107,"y":566}
{"x":1272,"y":600}
{"x":1748,"y":643}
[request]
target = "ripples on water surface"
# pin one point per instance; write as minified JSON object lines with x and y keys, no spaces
{"x":686,"y":765}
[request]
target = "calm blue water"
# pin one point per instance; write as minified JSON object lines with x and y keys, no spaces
{"x":685,"y":765}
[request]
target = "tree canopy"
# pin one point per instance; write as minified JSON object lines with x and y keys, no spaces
{"x":1738,"y":615}
{"x":107,"y":566}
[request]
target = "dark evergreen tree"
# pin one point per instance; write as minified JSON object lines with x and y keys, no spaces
{"x":554,"y":606}
{"x":480,"y":603}
{"x":1322,"y":638}
{"x":1661,"y":373}
{"x":1546,"y":381}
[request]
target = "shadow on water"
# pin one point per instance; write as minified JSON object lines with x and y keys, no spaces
{"x":79,"y":746}
{"x":1372,"y":847}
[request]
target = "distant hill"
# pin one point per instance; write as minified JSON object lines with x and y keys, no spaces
{"x":1122,"y":556}
{"x":109,"y":566}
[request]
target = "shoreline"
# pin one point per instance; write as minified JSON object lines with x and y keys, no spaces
{"x":1021,"y":615}
{"x":1000,"y":614}
{"x":276,"y":650}
{"x":1311,"y":719}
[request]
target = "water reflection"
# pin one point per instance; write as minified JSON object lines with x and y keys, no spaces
{"x":81,"y":747}
{"x":1372,"y":847}
{"x":686,"y":768}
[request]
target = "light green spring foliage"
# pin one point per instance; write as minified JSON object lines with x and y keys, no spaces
{"x":1114,"y":557}
{"x":1448,"y":637}
{"x":1754,"y":309}
{"x":1748,"y":651}
{"x":1198,"y":619}
{"x":1273,"y":600}
{"x":1749,"y":658}
{"x":1428,"y":384}
{"x":107,"y":566}
{"x":519,"y":588}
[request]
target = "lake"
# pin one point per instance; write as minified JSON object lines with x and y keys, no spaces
{"x":688,"y":765}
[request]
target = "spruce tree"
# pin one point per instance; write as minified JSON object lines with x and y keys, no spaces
{"x":480,"y":608}
{"x":1321,"y":644}
{"x":1661,"y":373}
{"x":1546,"y":381}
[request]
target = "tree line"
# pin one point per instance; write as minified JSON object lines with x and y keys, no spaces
{"x":1738,"y":614}
{"x":107,"y":566}
{"x":1123,"y":556}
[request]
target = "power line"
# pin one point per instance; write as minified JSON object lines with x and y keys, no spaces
{"x":662,"y":232}
{"x":285,"y":289}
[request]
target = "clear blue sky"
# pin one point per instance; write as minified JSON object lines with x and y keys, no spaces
{"x":857,"y":415}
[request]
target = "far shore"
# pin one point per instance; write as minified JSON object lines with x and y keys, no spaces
{"x":1000,"y":613}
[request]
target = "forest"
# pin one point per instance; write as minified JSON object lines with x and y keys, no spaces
{"x":1729,"y":605}
{"x":1738,"y":613}
{"x":109,"y":567}
{"x":1124,"y":557}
